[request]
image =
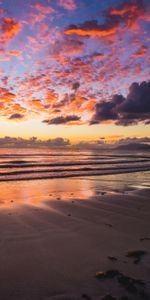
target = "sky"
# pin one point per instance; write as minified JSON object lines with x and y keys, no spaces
{"x":75,"y":69}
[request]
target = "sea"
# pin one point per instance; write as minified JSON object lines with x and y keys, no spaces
{"x":36,"y":175}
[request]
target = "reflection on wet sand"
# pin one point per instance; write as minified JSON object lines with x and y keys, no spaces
{"x":38,"y":192}
{"x":35,"y":193}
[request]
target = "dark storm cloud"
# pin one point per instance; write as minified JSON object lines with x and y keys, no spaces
{"x":131,"y":110}
{"x":75,"y":86}
{"x":16,"y":116}
{"x":62,"y":120}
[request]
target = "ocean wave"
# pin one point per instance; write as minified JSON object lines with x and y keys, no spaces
{"x":76,"y":163}
{"x":79,"y":173}
{"x":87,"y":169}
{"x":31,"y":166}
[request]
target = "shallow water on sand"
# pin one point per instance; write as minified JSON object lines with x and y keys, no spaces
{"x":37,"y":192}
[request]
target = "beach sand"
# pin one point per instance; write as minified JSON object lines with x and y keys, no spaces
{"x":54,"y":250}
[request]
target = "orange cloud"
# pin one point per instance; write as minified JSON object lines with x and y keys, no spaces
{"x":6,"y":96}
{"x":18,"y":108}
{"x":129,"y":12}
{"x":15,"y":53}
{"x":9,"y":28}
{"x":91,"y":32}
{"x":36,"y":104}
{"x":51,"y":97}
{"x":127,"y":15}
{"x":129,"y":8}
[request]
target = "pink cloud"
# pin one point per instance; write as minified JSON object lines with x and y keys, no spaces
{"x":68,"y":4}
{"x":46,"y":10}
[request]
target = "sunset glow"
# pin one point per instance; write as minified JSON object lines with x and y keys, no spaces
{"x":75,"y":69}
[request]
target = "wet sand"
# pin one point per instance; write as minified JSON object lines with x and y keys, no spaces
{"x":54,"y":250}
